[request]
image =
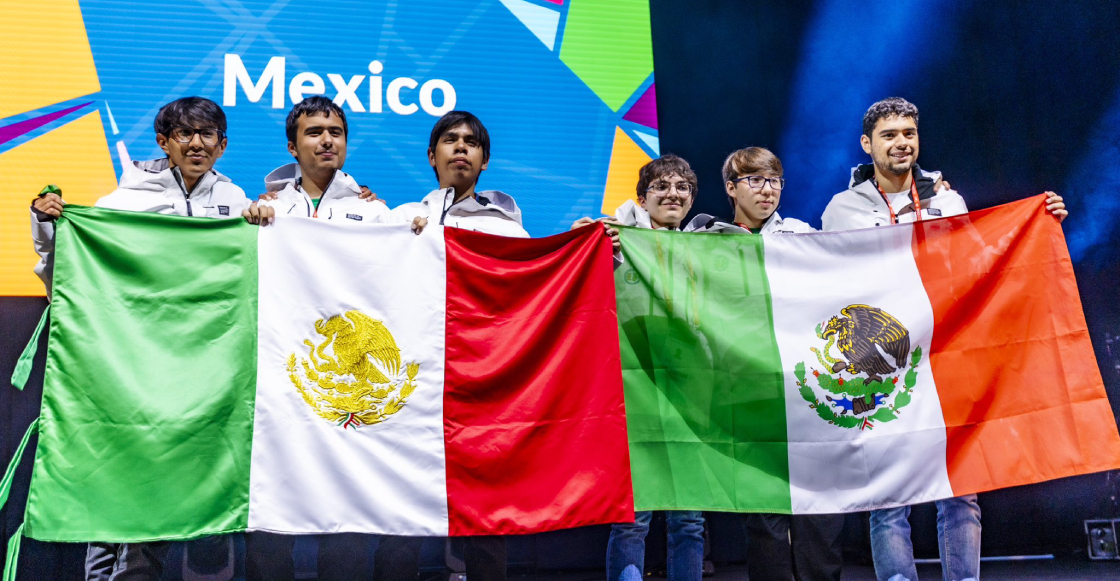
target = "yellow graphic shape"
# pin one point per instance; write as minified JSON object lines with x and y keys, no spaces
{"x":76,"y":158}
{"x":622,"y":175}
{"x":46,"y":57}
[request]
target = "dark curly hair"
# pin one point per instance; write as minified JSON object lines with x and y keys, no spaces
{"x":663,"y":167}
{"x":891,"y":107}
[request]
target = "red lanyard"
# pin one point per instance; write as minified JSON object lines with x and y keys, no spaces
{"x":913,"y":196}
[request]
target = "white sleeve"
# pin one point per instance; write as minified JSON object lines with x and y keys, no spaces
{"x":42,"y":234}
{"x":404,"y":213}
{"x":830,"y":219}
{"x":953,"y":204}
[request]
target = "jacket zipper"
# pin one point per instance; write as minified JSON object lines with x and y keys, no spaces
{"x":186,"y":195}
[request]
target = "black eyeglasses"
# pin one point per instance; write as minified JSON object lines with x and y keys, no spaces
{"x":209,"y":135}
{"x":759,"y":182}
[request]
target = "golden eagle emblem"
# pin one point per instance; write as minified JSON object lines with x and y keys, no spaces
{"x":352,"y":373}
{"x":861,"y":386}
{"x":871,"y":340}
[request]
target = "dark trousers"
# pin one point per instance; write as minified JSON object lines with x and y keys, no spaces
{"x":268,"y":557}
{"x":126,"y":561}
{"x":398,"y":558}
{"x":781,"y":547}
{"x":342,"y":557}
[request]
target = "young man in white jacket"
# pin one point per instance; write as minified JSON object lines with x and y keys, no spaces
{"x":893,"y":190}
{"x":192,"y":132}
{"x":779,"y":547}
{"x":752,"y":178}
{"x":315,"y":185}
{"x":458,"y":151}
{"x":665,"y":191}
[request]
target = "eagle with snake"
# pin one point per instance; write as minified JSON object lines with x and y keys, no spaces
{"x":359,"y":341}
{"x":872,"y":341}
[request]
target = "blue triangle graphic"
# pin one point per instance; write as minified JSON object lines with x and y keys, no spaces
{"x":653,"y":142}
{"x":541,"y":21}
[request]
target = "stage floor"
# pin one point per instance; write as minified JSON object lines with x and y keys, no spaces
{"x":1050,"y":570}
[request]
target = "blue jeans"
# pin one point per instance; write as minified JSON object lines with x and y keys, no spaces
{"x":958,"y":538}
{"x":626,"y":550}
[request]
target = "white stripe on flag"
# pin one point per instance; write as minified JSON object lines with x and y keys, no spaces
{"x":310,"y":474}
{"x":833,"y":469}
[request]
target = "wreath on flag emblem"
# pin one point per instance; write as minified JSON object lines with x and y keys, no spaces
{"x":874,"y":353}
{"x":360,"y":380}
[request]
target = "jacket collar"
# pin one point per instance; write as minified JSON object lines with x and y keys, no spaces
{"x":923,"y":180}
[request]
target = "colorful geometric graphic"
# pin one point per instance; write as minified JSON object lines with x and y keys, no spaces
{"x":607,"y":44}
{"x":541,"y":21}
{"x":47,"y":61}
{"x":626,"y":159}
{"x":46,"y":56}
{"x":644,"y":111}
{"x":564,"y":88}
{"x":82,"y":178}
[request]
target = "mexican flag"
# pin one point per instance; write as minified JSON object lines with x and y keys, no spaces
{"x":845,"y":371}
{"x":209,"y":376}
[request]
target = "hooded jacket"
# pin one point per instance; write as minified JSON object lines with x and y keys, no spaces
{"x":862,"y":206}
{"x":775,"y":224}
{"x":150,"y":186}
{"x":489,"y":211}
{"x":631,"y":214}
{"x":339,"y":201}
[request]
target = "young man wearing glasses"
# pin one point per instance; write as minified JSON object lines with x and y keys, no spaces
{"x":753,"y":181}
{"x":192,"y":132}
{"x":779,"y":547}
{"x":665,"y":192}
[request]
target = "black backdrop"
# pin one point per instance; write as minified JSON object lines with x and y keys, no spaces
{"x":1015,"y":98}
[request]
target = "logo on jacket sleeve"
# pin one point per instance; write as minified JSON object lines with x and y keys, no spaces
{"x":223,"y":210}
{"x":357,"y":217}
{"x":861,"y":386}
{"x":352,"y":376}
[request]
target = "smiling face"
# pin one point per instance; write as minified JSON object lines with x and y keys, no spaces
{"x":197,"y":156}
{"x":665,"y":201}
{"x":458,"y":158}
{"x":893,"y":145}
{"x":320,"y":143}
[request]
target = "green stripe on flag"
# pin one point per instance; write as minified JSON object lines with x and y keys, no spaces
{"x":146,"y":443}
{"x":703,"y":379}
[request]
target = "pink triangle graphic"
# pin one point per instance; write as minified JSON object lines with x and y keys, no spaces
{"x":644,"y":111}
{"x":10,"y":132}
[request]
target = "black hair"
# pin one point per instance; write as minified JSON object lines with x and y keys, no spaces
{"x":453,"y":119}
{"x":890,"y":107}
{"x":197,"y":112}
{"x":317,"y":105}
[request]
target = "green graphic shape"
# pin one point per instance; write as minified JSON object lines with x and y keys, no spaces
{"x":607,"y":45}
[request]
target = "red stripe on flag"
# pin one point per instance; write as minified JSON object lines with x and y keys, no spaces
{"x":1015,"y":371}
{"x":534,"y":423}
